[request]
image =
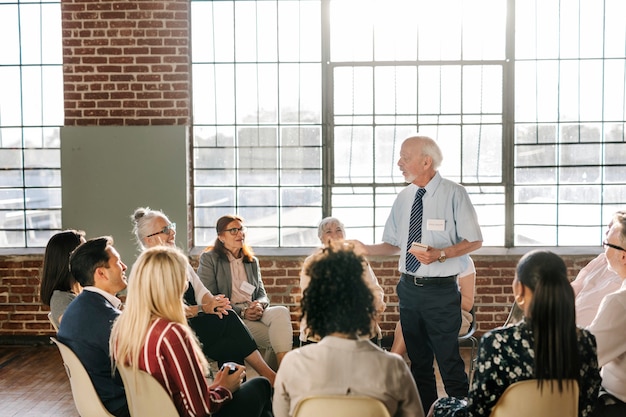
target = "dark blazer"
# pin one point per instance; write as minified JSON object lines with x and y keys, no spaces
{"x":86,"y":328}
{"x":214,"y":272}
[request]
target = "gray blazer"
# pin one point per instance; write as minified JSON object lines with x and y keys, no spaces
{"x":214,"y":272}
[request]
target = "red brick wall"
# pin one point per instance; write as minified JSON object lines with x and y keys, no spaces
{"x":21,"y":313}
{"x":126,"y":62}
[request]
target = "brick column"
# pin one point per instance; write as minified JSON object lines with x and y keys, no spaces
{"x":126,"y":62}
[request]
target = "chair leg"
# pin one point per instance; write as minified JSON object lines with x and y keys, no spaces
{"x":473,"y":358}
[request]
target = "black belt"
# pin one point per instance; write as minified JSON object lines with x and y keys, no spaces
{"x":421,"y":281}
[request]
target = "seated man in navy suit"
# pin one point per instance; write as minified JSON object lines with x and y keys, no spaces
{"x":87,"y":322}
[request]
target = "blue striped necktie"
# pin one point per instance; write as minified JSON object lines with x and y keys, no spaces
{"x":415,"y":230}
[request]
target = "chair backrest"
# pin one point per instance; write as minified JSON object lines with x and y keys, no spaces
{"x":525,"y":399}
{"x":340,"y":406}
{"x":56,"y":329}
{"x":472,"y":328}
{"x":145,"y":395}
{"x":515,"y":315}
{"x":85,"y":396}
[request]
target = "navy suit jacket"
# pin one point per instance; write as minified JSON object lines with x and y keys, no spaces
{"x":86,"y":328}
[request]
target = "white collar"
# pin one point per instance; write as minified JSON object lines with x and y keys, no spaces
{"x":116,"y":302}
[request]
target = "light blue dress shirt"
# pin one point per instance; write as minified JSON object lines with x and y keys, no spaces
{"x":444,"y":201}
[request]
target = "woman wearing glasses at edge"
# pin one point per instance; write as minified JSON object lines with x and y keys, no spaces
{"x":153,"y":336}
{"x":224,"y":338}
{"x":231,"y":268}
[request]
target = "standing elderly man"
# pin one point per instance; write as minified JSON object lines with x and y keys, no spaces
{"x":87,"y":321}
{"x":609,"y":324}
{"x":433,"y":227}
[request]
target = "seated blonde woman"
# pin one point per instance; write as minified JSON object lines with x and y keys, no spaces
{"x":153,"y":335}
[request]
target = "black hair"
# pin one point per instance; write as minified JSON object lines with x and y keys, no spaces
{"x":56,"y":274}
{"x":552,"y":316}
{"x":337,"y":299}
{"x":87,"y":257}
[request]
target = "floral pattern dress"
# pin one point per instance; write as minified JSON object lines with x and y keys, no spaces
{"x":506,"y":356}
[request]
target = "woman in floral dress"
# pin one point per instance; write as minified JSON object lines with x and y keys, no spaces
{"x":545,"y":345}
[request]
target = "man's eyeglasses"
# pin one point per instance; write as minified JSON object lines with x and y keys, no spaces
{"x":166,"y":230}
{"x":610,"y":245}
{"x":236,"y":230}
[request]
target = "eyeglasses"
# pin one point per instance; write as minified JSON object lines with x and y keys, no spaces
{"x":236,"y":230}
{"x":610,"y":245}
{"x":166,"y":230}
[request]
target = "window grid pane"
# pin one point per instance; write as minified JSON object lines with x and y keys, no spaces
{"x":31,"y":111}
{"x":570,"y":117}
{"x":258,"y":119}
{"x":265,"y":147}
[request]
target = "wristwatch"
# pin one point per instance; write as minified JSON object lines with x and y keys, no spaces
{"x":442,"y":256}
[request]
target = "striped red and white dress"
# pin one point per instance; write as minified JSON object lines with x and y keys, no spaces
{"x":168,"y":356}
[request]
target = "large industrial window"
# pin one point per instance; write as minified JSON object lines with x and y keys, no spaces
{"x":31,"y":111}
{"x":569,"y":148}
{"x":301,"y":107}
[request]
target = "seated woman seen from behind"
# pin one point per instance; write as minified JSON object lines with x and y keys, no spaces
{"x":58,"y":286}
{"x":153,"y":335}
{"x":545,"y":345}
{"x":339,"y":308}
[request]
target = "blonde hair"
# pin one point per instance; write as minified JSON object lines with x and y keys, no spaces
{"x":155,"y":290}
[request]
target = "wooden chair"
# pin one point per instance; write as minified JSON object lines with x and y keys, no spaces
{"x":525,"y":399}
{"x":145,"y":395}
{"x":340,"y":406}
{"x":85,"y":396}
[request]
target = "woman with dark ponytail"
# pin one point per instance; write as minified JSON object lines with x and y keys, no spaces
{"x":546,"y":345}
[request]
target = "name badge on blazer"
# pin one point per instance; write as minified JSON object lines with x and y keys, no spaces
{"x":247,"y":287}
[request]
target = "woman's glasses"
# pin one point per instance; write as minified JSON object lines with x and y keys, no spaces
{"x":236,"y":230}
{"x":610,"y":245}
{"x":166,"y":230}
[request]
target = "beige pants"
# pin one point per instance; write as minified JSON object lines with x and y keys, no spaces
{"x":466,"y":322}
{"x":273,"y":330}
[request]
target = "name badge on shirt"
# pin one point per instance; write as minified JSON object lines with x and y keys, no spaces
{"x":436,"y":225}
{"x":247,"y":287}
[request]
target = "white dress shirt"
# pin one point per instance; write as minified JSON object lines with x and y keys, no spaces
{"x":609,"y":328}
{"x":591,"y":285}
